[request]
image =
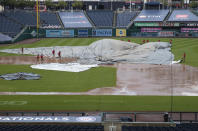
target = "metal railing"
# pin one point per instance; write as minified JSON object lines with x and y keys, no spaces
{"x":189,"y":117}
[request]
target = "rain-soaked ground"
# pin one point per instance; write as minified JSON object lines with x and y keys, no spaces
{"x":146,"y":79}
{"x":136,"y":79}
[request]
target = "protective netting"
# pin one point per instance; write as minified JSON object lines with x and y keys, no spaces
{"x":20,"y":76}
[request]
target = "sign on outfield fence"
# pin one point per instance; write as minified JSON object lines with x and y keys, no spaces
{"x":102,"y":32}
{"x":48,"y":119}
{"x":59,"y":33}
{"x":120,"y":32}
{"x":83,"y":33}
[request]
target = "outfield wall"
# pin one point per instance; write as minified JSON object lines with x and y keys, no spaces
{"x":139,"y":30}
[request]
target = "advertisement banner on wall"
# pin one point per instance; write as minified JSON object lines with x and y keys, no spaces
{"x":166,"y":33}
{"x":146,"y":24}
{"x":102,"y":32}
{"x":59,"y":33}
{"x":192,"y":24}
{"x":120,"y":32}
{"x":83,"y":33}
{"x":151,"y":29}
{"x":50,"y":119}
{"x":157,"y":24}
{"x":189,"y":29}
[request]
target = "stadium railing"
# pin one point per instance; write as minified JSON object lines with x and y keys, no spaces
{"x":116,"y":116}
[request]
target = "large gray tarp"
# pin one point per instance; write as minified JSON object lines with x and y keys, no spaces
{"x":109,"y":50}
{"x":20,"y":76}
{"x":4,"y":38}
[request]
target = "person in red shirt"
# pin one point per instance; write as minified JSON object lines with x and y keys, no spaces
{"x":184,"y":57}
{"x":42,"y":58}
{"x":37,"y":58}
{"x":129,"y":41}
{"x":59,"y":55}
{"x":53,"y":52}
{"x":158,"y":40}
{"x":170,"y":41}
{"x":22,"y":49}
{"x":147,"y":41}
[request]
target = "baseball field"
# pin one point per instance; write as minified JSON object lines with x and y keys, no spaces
{"x":99,"y":77}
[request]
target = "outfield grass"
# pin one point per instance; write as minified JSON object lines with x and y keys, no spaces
{"x":98,"y":103}
{"x":58,"y":81}
{"x":180,"y":45}
{"x":94,"y":78}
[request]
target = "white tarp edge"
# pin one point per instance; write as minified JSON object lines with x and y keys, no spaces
{"x":70,"y":67}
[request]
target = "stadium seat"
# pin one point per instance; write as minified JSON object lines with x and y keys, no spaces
{"x":151,"y":15}
{"x":50,"y":128}
{"x":101,"y":18}
{"x":74,"y":20}
{"x":9,"y":27}
{"x":183,"y":15}
{"x":124,"y":18}
{"x":22,"y":17}
{"x":179,"y":127}
{"x":49,"y":18}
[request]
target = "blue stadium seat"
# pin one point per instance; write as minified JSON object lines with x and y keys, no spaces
{"x":101,"y":18}
{"x":179,"y":127}
{"x":50,"y":128}
{"x":8,"y":26}
{"x":124,"y":18}
{"x":74,"y":20}
{"x":151,"y":15}
{"x":183,"y":15}
{"x":22,"y":17}
{"x":49,"y":18}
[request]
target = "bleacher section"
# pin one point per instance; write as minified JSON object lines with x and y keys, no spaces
{"x":183,"y":16}
{"x":152,"y":15}
{"x":49,"y":18}
{"x":124,"y":18}
{"x":48,"y":127}
{"x":101,"y":18}
{"x":9,"y":27}
{"x":74,"y":20}
{"x":21,"y":16}
{"x":179,"y":127}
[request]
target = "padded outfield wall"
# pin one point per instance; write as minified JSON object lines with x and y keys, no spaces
{"x":140,"y":29}
{"x":31,"y":32}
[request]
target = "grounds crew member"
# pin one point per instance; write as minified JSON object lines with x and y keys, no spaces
{"x":59,"y":56}
{"x":42,"y":59}
{"x":53,"y":52}
{"x":184,"y":57}
{"x":22,"y":49}
{"x":37,"y":58}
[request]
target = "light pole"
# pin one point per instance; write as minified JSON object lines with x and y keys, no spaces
{"x":111,"y":5}
{"x":171,"y":84}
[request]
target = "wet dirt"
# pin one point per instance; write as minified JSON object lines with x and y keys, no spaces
{"x":146,"y":79}
{"x":132,"y":79}
{"x":33,"y":60}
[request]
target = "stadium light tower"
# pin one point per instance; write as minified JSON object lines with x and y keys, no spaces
{"x":111,"y":5}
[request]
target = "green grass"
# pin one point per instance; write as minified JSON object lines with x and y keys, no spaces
{"x":58,"y":81}
{"x":94,"y":78}
{"x":99,"y":103}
